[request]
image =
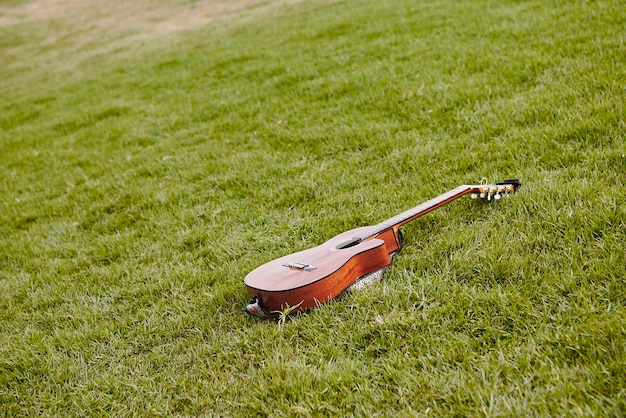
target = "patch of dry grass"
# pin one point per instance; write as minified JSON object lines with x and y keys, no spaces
{"x":61,"y":36}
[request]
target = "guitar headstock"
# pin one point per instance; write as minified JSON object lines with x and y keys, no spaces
{"x":496,"y":191}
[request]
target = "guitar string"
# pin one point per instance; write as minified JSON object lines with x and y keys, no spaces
{"x":408,"y":214}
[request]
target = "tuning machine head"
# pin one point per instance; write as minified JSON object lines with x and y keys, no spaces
{"x":493,"y":192}
{"x":496,"y":191}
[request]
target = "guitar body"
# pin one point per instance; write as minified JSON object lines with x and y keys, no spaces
{"x":309,"y":278}
{"x":319,"y":274}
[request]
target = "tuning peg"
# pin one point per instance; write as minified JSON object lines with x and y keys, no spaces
{"x":497,"y":196}
{"x":474,"y":195}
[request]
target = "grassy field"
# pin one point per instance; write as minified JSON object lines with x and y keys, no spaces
{"x":145,"y":172}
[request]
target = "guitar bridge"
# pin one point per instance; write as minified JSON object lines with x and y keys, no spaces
{"x":296,"y":265}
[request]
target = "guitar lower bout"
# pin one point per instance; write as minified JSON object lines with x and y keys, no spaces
{"x":317,"y":275}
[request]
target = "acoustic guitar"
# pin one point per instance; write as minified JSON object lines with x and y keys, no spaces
{"x":309,"y":278}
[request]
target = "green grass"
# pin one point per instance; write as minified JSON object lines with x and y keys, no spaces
{"x":141,"y":184}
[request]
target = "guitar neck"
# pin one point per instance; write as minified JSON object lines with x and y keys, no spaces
{"x":485,"y":191}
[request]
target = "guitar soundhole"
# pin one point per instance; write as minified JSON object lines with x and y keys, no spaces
{"x":348,"y":244}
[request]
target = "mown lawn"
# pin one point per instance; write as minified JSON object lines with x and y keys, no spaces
{"x":141,"y":183}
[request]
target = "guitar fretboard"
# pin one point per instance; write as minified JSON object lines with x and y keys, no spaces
{"x":416,"y":212}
